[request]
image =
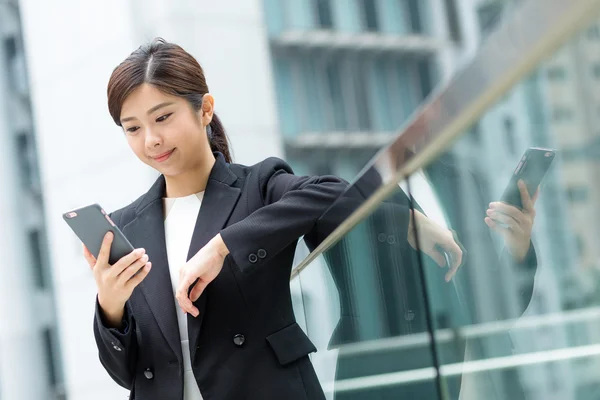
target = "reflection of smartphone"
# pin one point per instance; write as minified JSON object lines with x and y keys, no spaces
{"x":90,"y":224}
{"x":531,"y":169}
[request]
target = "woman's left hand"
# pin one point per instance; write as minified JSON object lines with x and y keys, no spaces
{"x":204,"y":266}
{"x":513,"y":224}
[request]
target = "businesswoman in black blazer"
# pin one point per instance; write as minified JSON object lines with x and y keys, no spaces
{"x":222,"y":326}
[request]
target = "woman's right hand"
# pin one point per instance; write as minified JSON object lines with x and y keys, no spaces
{"x":116,"y":282}
{"x":434,"y":240}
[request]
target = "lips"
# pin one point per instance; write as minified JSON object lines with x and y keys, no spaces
{"x":163,"y":157}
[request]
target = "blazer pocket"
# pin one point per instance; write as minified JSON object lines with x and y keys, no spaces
{"x":290,"y":344}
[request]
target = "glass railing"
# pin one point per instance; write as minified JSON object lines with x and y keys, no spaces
{"x":519,"y":317}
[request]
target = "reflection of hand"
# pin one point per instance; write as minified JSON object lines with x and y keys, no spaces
{"x":434,"y":240}
{"x":513,"y":224}
{"x":204,"y":266}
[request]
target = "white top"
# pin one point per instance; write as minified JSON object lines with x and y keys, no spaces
{"x":180,"y":219}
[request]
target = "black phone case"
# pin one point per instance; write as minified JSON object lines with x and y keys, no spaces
{"x":90,"y":224}
{"x":531,"y":169}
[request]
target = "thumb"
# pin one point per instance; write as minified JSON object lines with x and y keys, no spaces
{"x":198,"y":289}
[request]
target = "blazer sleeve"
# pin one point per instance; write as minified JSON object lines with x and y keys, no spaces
{"x":117,"y":348}
{"x":291,"y":207}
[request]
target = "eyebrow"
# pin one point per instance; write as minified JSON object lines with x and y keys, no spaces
{"x":150,"y":111}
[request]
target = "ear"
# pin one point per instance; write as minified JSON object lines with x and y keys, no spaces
{"x":207,"y":109}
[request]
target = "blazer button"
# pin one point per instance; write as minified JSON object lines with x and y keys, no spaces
{"x":252,"y":258}
{"x":117,"y":348}
{"x":239,"y":339}
{"x":262,"y":253}
{"x":148,"y":374}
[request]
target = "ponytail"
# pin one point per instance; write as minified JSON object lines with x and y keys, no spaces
{"x":218,"y":138}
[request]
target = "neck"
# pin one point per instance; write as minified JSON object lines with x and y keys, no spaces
{"x":191,"y":181}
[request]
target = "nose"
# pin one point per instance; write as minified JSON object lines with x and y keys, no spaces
{"x":153,"y":139}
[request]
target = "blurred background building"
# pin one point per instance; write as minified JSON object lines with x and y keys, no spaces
{"x":323,"y":83}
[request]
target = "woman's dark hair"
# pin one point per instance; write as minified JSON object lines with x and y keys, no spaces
{"x":171,"y":70}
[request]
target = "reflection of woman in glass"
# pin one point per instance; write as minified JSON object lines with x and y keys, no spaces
{"x":381,"y":296}
{"x":216,"y":236}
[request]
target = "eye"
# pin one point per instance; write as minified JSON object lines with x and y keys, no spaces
{"x":132,"y":129}
{"x":163,"y":117}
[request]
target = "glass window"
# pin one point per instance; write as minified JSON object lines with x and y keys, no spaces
{"x":369,"y":11}
{"x":453,"y":20}
{"x":287,"y":107}
{"x":362,"y":97}
{"x":424,"y":70}
{"x":382,"y":101}
{"x":275,"y":16}
{"x":37,"y":261}
{"x":578,"y":194}
{"x":50,"y":356}
{"x":413,"y":8}
{"x":475,"y":134}
{"x":593,"y":32}
{"x":557,"y":73}
{"x":489,"y":16}
{"x":10,"y":47}
{"x":560,"y":114}
{"x":27,"y":162}
{"x":334,"y":85}
{"x":509,"y":134}
{"x":324,"y":15}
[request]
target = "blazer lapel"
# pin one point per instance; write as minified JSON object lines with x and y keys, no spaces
{"x":148,"y":230}
{"x":219,"y":200}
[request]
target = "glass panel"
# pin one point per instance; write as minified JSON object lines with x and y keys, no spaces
{"x":519,"y":319}
{"x":363,"y":303}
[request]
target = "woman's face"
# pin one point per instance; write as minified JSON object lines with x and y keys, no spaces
{"x":164,"y":131}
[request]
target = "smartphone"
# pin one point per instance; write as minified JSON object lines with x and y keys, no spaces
{"x":531,"y":169}
{"x":91,"y":223}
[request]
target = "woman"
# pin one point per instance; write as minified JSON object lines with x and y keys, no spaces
{"x":219,"y":237}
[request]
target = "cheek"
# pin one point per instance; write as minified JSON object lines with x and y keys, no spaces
{"x":136,"y":143}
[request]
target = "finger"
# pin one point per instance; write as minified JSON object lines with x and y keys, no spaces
{"x":497,"y":227}
{"x":457,"y":255}
{"x":198,"y":290}
{"x":182,"y":295}
{"x":536,"y":195}
{"x":525,"y":198}
{"x":503,"y":218}
{"x":507,"y":209}
{"x":104,"y":253}
{"x":132,"y":269}
{"x":91,"y":260}
{"x":137,"y":279}
{"x":127,"y":260}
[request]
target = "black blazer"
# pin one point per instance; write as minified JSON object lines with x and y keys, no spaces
{"x":245,"y":344}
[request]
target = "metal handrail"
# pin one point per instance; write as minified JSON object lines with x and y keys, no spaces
{"x":532,"y":33}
